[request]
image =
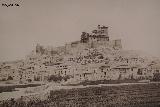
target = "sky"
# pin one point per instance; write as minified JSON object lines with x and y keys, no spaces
{"x":56,"y":22}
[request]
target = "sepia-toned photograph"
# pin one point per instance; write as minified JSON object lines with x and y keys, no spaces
{"x":79,"y":53}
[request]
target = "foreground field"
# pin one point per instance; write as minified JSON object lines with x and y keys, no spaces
{"x":10,"y":88}
{"x":137,"y":95}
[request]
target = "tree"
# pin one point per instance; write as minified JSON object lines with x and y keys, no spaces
{"x":29,"y":80}
{"x":10,"y":78}
{"x":66,"y":77}
{"x":156,"y":77}
{"x":55,"y":78}
{"x":120,"y":76}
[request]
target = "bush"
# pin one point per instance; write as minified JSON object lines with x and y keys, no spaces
{"x":55,"y":78}
{"x":29,"y":80}
{"x":10,"y":78}
{"x":66,"y":78}
{"x":156,"y":77}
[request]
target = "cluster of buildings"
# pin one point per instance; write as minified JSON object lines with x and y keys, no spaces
{"x":94,"y":57}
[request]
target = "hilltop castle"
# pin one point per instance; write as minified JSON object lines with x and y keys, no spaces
{"x":97,"y":38}
{"x":94,"y":57}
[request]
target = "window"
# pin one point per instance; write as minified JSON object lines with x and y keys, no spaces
{"x":132,"y":69}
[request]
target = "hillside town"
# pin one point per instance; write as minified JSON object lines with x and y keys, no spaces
{"x":94,"y":57}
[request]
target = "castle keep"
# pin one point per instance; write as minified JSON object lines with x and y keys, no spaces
{"x":98,"y":35}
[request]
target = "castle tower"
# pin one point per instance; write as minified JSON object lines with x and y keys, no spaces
{"x":84,"y":37}
{"x":102,"y":30}
{"x":39,"y":49}
{"x":98,"y":35}
{"x":117,"y":44}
